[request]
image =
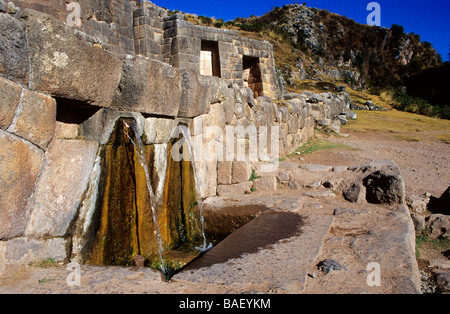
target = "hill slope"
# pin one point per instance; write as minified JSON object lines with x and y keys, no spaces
{"x":366,"y":56}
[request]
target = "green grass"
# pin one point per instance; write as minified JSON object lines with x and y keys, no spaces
{"x":395,"y":121}
{"x":316,"y":144}
{"x":44,"y":280}
{"x":49,"y":262}
{"x":253,"y":176}
{"x":423,"y":241}
{"x":407,"y":138}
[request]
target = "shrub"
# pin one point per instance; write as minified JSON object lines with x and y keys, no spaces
{"x":404,"y":102}
{"x":205,"y":20}
{"x":255,"y":27}
{"x":397,"y":31}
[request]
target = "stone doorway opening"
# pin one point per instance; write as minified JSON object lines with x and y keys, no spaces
{"x":210,"y":58}
{"x":252,"y":75}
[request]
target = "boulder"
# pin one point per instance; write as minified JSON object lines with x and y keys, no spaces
{"x":291,"y":96}
{"x":342,"y":119}
{"x":35,"y":119}
{"x":65,"y":66}
{"x":148,"y":86}
{"x":370,"y":105}
{"x":61,"y":186}
{"x":13,"y":50}
{"x":2,"y":6}
{"x":283,"y":176}
{"x":350,"y":115}
{"x":20,"y":165}
{"x":418,"y":203}
{"x":323,"y":122}
{"x":439,"y":226}
{"x":442,"y":279}
{"x":385,"y":186}
{"x":11,"y":8}
{"x":419,"y":222}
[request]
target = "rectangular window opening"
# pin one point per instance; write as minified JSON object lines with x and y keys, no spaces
{"x":210,"y":59}
{"x":252,"y":75}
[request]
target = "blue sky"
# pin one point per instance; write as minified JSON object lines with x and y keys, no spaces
{"x":429,"y":19}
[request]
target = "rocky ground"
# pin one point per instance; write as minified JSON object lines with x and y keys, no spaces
{"x":336,"y":249}
{"x":331,"y":253}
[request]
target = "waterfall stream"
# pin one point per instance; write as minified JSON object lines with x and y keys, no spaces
{"x":187,"y":137}
{"x":153,"y":200}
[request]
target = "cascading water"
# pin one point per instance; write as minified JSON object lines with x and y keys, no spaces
{"x":146,"y":203}
{"x":187,"y":137}
{"x":141,"y":156}
{"x":161,"y":163}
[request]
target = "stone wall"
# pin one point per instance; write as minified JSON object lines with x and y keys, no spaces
{"x":124,"y":27}
{"x":60,"y":98}
{"x":107,"y":23}
{"x":183,"y":42}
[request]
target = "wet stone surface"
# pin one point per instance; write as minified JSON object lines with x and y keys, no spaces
{"x":261,"y":232}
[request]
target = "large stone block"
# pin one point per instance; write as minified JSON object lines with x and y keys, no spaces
{"x":224,"y":169}
{"x":158,"y":130}
{"x":35,"y":119}
{"x":20,"y":251}
{"x":20,"y":165}
{"x":195,"y":95}
{"x":234,"y":189}
{"x":148,"y":86}
{"x":9,"y":98}
{"x":240,"y":171}
{"x":265,"y":183}
{"x":207,"y":176}
{"x":13,"y":50}
{"x":100,"y":125}
{"x":63,"y":65}
{"x":61,"y":186}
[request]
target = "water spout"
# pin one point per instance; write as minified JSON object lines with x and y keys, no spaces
{"x":153,"y":200}
{"x":187,"y":136}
